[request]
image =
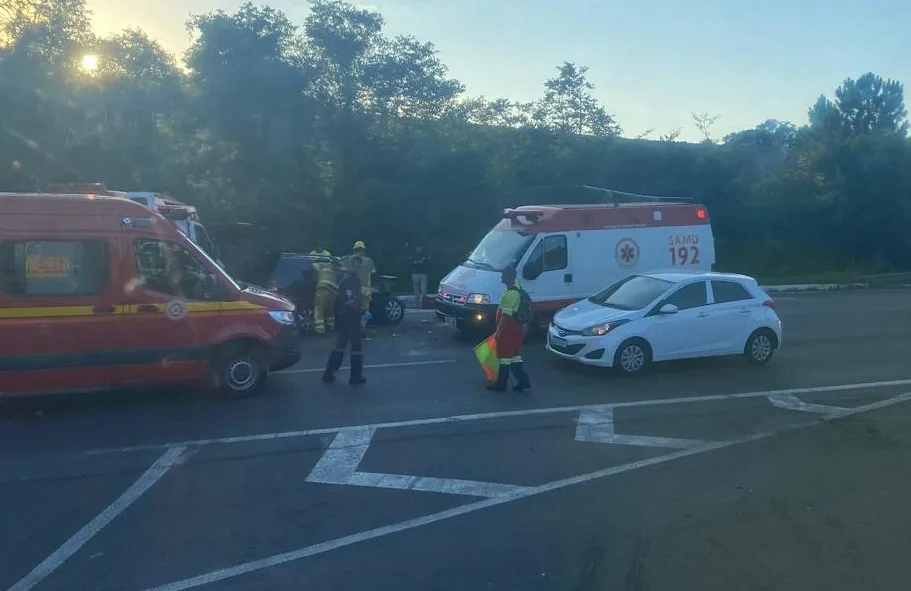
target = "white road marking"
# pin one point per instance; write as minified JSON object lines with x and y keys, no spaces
{"x":323,"y":547}
{"x":501,"y":415}
{"x":169,"y":459}
{"x":376,"y":366}
{"x":596,"y":425}
{"x":792,"y":402}
{"x":343,"y":456}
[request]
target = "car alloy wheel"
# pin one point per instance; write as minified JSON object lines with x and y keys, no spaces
{"x":761,"y":348}
{"x":394,"y":311}
{"x":632,"y":357}
{"x":305,"y":320}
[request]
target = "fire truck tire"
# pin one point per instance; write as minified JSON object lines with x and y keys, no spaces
{"x":239,"y":370}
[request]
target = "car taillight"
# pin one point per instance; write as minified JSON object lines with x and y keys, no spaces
{"x":769,"y":304}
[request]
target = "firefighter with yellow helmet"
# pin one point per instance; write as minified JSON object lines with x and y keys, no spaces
{"x":363,"y":268}
{"x":326,"y":292}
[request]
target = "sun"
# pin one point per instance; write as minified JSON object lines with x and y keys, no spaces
{"x":90,"y":62}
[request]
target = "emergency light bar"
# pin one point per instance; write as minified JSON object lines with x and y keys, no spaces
{"x":174,"y":212}
{"x":530,"y":217}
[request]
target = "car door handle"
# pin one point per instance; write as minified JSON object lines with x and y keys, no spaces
{"x":744,"y":311}
{"x":103,"y":309}
{"x":147,"y":309}
{"x":702,"y":314}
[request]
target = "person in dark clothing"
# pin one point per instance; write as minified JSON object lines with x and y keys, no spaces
{"x":348,"y":314}
{"x":419,"y":262}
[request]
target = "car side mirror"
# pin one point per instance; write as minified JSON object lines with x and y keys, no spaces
{"x":668,"y":309}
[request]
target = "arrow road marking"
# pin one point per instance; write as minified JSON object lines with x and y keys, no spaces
{"x":340,"y":462}
{"x":792,"y":402}
{"x":596,"y":425}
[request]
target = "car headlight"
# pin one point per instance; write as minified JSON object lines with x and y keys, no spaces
{"x":282,"y":317}
{"x":478,"y":298}
{"x":602,"y":329}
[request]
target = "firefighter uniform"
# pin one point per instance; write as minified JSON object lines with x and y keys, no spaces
{"x":363,"y":268}
{"x":348,"y":331}
{"x":326,"y":292}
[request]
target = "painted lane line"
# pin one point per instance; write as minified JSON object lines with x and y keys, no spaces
{"x":497,"y":415}
{"x":376,"y":366}
{"x":339,"y":464}
{"x":596,"y":425}
{"x":792,"y":402}
{"x":169,"y":459}
{"x":323,"y":547}
{"x":343,"y":456}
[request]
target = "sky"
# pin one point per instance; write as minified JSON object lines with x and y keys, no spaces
{"x":653,"y":62}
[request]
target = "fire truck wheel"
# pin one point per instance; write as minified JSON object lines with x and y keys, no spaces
{"x":239,"y":370}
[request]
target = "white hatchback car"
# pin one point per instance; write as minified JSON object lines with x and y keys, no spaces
{"x":664,"y":316}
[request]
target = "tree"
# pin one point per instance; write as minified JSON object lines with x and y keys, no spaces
{"x":769,"y":133}
{"x":870,"y":104}
{"x":343,"y":39}
{"x":407,"y":79}
{"x":569,"y":107}
{"x":704,"y":123}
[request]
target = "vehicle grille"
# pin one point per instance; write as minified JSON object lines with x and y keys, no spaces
{"x":453,"y":298}
{"x":564,"y":331}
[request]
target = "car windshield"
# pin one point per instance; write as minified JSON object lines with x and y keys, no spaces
{"x":632,"y":293}
{"x":499,"y":249}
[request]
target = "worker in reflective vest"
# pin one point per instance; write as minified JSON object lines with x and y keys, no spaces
{"x":510,"y":335}
{"x":326,"y":292}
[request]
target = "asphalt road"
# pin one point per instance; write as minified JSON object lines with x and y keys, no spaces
{"x":703,"y":475}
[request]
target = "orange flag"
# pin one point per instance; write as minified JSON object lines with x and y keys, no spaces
{"x":486,"y":353}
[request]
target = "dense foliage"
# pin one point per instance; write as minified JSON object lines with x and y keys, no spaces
{"x":331,"y":131}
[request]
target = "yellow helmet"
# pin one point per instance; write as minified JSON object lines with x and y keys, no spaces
{"x":359,"y":245}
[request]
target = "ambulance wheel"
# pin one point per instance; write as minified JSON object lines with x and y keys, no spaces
{"x":239,"y":370}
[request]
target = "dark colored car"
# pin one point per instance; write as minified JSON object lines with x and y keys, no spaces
{"x":292,"y":275}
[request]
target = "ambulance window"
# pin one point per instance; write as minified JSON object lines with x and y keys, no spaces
{"x":555,"y":255}
{"x":729,"y":291}
{"x":53,"y":267}
{"x":171,"y":269}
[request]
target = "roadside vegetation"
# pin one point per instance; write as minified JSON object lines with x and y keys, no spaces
{"x":327,"y":131}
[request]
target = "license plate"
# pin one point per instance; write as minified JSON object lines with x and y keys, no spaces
{"x":449,"y":320}
{"x":558,"y":342}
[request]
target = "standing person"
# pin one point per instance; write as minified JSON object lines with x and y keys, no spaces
{"x":326,"y":292}
{"x":348,"y":314}
{"x":419,"y":262}
{"x":363,"y":268}
{"x":512,"y":314}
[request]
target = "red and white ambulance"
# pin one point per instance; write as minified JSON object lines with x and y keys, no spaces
{"x":564,"y":253}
